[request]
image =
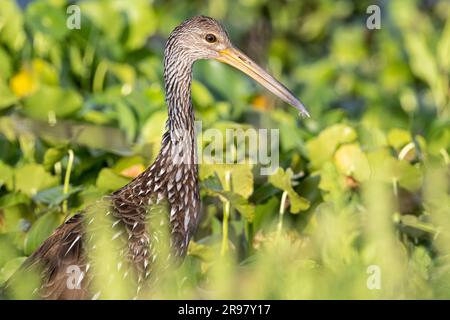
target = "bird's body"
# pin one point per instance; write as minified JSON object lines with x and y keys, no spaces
{"x":171,"y":180}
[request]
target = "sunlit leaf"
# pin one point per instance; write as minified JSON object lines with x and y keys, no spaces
{"x":32,"y":178}
{"x":351,"y":161}
{"x":322,"y":148}
{"x":108,"y":180}
{"x":283,"y":180}
{"x":6,"y":174}
{"x":241,"y":176}
{"x":399,"y":137}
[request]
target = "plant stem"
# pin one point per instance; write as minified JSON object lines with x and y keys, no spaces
{"x":226,"y":215}
{"x":67,"y":180}
{"x":395,"y":186}
{"x":280,"y":218}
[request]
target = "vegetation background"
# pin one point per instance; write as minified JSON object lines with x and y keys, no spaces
{"x":360,"y":208}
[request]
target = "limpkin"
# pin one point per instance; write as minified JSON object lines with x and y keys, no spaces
{"x":171,"y":178}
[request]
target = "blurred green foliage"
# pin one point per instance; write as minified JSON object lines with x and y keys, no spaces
{"x":366,"y":178}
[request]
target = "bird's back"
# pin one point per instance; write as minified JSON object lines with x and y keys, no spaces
{"x":126,"y":217}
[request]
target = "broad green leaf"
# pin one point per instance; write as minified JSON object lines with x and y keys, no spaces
{"x":386,"y":168}
{"x":142,"y":22}
{"x":202,"y":251}
{"x":200,"y":95}
{"x":47,"y":19}
{"x":399,"y":137}
{"x":408,"y":176}
{"x":102,"y":13}
{"x":47,"y":99}
{"x":55,"y":196}
{"x":240,"y":203}
{"x":13,"y":199}
{"x":127,"y":163}
{"x":322,"y":148}
{"x":241,"y":176}
{"x":108,"y":180}
{"x":152,"y":131}
{"x":8,"y":98}
{"x":283,"y":180}
{"x":214,"y":187}
{"x":351,"y":161}
{"x":45,"y":72}
{"x":6,"y":175}
{"x":12,"y":30}
{"x":124,"y":72}
{"x":10,"y":267}
{"x":41,"y":230}
{"x":331,"y":180}
{"x":8,"y":248}
{"x":12,"y":218}
{"x":265,"y":213}
{"x":32,"y":178}
{"x":5,"y":65}
{"x":53,"y":155}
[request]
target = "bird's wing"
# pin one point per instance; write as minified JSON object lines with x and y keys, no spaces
{"x":60,"y":261}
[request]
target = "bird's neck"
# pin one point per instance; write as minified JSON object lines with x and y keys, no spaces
{"x":172,"y":177}
{"x":181,"y":121}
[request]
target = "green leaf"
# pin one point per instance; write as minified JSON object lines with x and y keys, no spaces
{"x":108,"y":180}
{"x":13,"y":199}
{"x":200,"y":95}
{"x":443,"y":47}
{"x":386,"y":168}
{"x":6,"y":175}
{"x":53,"y":155}
{"x":322,"y":148}
{"x":5,"y":65}
{"x":283,"y":180}
{"x":126,"y":119}
{"x":46,"y":19}
{"x":348,"y":45}
{"x":8,"y":98}
{"x":241,"y":204}
{"x":397,"y":138}
{"x":11,"y":32}
{"x":141,"y":22}
{"x":41,"y":230}
{"x":61,"y":102}
{"x":351,"y":161}
{"x":201,"y":251}
{"x":241,"y":176}
{"x":128,"y":162}
{"x":422,"y":262}
{"x":408,"y":176}
{"x":55,"y":196}
{"x":265,"y":213}
{"x":214,"y":187}
{"x":10,"y":267}
{"x":124,"y":72}
{"x":32,"y":178}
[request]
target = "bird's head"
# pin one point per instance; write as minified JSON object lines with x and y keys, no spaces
{"x":202,"y":37}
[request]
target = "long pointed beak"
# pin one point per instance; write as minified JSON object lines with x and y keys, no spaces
{"x":239,"y":60}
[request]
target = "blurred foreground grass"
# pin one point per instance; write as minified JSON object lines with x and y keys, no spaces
{"x":365,"y":187}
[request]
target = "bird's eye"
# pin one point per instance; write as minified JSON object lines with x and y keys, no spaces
{"x":210,"y":38}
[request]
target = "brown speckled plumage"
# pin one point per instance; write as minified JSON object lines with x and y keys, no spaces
{"x":171,"y":181}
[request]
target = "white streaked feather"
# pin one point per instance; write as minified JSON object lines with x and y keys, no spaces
{"x":72,"y":244}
